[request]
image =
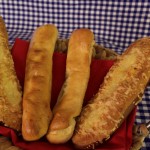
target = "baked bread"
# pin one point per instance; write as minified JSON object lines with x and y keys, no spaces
{"x":10,"y":89}
{"x":71,"y":96}
{"x":37,"y":84}
{"x":121,"y":90}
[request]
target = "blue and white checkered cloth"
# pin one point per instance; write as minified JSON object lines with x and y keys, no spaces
{"x":116,"y":24}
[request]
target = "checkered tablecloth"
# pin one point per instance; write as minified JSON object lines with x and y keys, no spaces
{"x":115,"y":24}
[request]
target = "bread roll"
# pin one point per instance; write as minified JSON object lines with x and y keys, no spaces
{"x":38,"y":81}
{"x":71,"y":96}
{"x":121,"y":90}
{"x":10,"y":89}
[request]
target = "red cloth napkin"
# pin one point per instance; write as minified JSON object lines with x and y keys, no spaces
{"x":120,"y":140}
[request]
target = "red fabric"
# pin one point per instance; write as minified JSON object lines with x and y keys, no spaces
{"x":120,"y":140}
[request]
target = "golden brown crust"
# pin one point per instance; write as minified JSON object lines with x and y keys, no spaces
{"x":38,"y":80}
{"x":117,"y":96}
{"x":71,"y":97}
{"x":10,"y":90}
{"x":3,"y":28}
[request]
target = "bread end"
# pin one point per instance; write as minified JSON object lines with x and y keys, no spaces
{"x":62,"y":135}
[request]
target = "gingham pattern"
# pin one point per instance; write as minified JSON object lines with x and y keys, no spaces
{"x":115,"y":24}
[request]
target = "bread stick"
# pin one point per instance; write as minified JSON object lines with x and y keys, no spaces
{"x":71,"y":96}
{"x":38,"y":81}
{"x":10,"y":89}
{"x":121,"y":90}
